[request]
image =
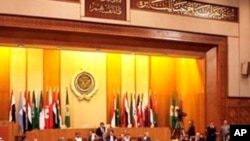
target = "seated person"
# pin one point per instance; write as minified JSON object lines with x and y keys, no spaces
{"x":146,"y":137}
{"x":78,"y":137}
{"x":91,"y":136}
{"x":111,"y":136}
{"x":197,"y":137}
{"x":61,"y":139}
{"x":183,"y":138}
{"x":126,"y":137}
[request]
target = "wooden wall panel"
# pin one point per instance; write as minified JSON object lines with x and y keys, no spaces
{"x":4,"y":82}
{"x":191,"y":91}
{"x":213,"y":99}
{"x":162,"y":82}
{"x":238,"y":110}
{"x":34,"y":70}
{"x":113,"y":80}
{"x":51,"y":69}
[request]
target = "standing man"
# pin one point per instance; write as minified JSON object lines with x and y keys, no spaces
{"x":224,"y":130}
{"x":191,"y":129}
{"x":211,"y":132}
{"x":100,"y":131}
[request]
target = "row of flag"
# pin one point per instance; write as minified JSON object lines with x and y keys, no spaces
{"x":39,"y":111}
{"x":139,"y":111}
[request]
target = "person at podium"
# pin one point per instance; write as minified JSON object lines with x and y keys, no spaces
{"x":100,"y":132}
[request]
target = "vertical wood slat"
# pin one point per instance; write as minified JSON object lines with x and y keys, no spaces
{"x":113,"y":80}
{"x":4,"y":82}
{"x":51,"y":69}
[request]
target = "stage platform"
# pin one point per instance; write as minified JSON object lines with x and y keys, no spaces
{"x":157,"y":134}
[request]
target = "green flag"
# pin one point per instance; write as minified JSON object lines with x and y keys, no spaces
{"x":118,"y":110}
{"x":131,"y":109}
{"x":172,"y":115}
{"x":67,"y":113}
{"x":35,"y":117}
{"x":176,"y":107}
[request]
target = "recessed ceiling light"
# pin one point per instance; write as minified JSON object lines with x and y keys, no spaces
{"x":20,"y":45}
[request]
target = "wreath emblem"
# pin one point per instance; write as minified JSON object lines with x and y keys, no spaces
{"x":84,"y":85}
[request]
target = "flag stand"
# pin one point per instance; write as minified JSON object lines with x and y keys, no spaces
{"x":179,"y":129}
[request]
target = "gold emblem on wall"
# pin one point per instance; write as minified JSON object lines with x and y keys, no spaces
{"x":84,"y":85}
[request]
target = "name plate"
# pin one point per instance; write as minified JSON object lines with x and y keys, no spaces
{"x":108,"y":9}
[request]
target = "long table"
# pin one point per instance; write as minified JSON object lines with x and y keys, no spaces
{"x":157,"y":134}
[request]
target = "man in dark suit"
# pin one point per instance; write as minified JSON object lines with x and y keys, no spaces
{"x":197,"y":137}
{"x":191,"y":129}
{"x":111,"y":136}
{"x":211,"y":132}
{"x":146,"y":137}
{"x":100,"y":131}
{"x":91,"y":136}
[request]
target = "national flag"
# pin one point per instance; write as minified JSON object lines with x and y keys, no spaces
{"x":29,"y":112}
{"x":51,"y":104}
{"x":41,"y":112}
{"x":123,"y":112}
{"x":134,"y":111}
{"x":46,"y":109}
{"x":67,"y":112}
{"x":146,"y":111}
{"x":12,"y":113}
{"x":118,"y":110}
{"x":142,"y":109}
{"x":177,"y":107}
{"x":113,"y":113}
{"x":155,"y":110}
{"x":138,"y":110}
{"x":25,"y":113}
{"x":127,"y":115}
{"x":35,"y":117}
{"x":131,"y":110}
{"x":172,"y":113}
{"x":21,"y":113}
{"x":57,"y":110}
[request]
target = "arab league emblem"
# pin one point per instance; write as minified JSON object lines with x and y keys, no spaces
{"x":84,"y":85}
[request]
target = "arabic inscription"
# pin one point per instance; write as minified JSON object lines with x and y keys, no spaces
{"x":188,"y":8}
{"x":110,"y":9}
